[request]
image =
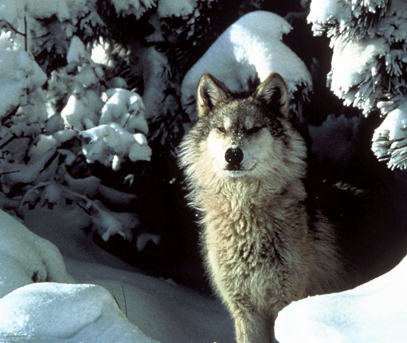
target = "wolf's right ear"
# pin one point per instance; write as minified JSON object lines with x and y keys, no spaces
{"x":211,"y":92}
{"x":273,"y":92}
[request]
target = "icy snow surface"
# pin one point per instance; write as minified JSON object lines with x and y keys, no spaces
{"x":374,"y":312}
{"x":249,"y":48}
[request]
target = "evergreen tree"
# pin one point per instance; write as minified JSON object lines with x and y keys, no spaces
{"x":369,"y":64}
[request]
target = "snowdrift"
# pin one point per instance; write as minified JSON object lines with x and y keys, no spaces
{"x":107,"y":305}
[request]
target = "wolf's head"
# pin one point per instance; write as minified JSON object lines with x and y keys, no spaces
{"x":247,"y":137}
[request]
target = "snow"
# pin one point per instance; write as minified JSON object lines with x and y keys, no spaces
{"x":162,"y":310}
{"x":133,"y":7}
{"x":373,"y":312}
{"x":111,"y":140}
{"x":126,"y":108}
{"x":113,"y":126}
{"x":168,"y":8}
{"x":26,"y":173}
{"x":80,"y":112}
{"x":144,"y":238}
{"x":18,"y":73}
{"x":13,"y":11}
{"x":389,"y":139}
{"x":351,"y":60}
{"x":325,"y":14}
{"x":117,"y":304}
{"x":155,"y":82}
{"x":112,"y":130}
{"x":55,"y":312}
{"x":352,"y":63}
{"x":329,"y":11}
{"x":76,"y":51}
{"x":65,"y":288}
{"x":25,"y":256}
{"x":106,"y":304}
{"x":249,"y":48}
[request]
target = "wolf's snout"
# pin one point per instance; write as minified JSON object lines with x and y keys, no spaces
{"x":234,"y":156}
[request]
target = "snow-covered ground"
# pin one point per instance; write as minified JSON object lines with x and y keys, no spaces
{"x":374,"y":312}
{"x":89,"y":301}
{"x":76,"y":299}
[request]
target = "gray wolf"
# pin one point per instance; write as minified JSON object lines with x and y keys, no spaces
{"x":263,"y":246}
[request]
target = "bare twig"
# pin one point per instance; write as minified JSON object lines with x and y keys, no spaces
{"x":14,"y":29}
{"x":25,"y":35}
{"x":125,"y":302}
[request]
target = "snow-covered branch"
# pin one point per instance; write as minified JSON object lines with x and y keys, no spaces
{"x":369,"y":62}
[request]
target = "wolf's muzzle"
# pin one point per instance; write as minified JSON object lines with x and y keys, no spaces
{"x":234,"y":156}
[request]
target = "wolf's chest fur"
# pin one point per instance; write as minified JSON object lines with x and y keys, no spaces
{"x":258,"y":250}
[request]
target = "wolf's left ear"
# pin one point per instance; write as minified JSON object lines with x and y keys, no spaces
{"x":273,"y":92}
{"x":211,"y":92}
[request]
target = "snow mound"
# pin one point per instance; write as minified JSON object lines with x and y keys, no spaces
{"x":52,"y":312}
{"x":248,"y":49}
{"x":26,"y":258}
{"x":162,"y":310}
{"x":373,"y":312}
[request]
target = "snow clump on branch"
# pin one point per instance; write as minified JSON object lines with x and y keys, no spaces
{"x":248,"y":50}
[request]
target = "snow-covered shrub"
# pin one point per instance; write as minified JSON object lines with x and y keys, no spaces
{"x":369,"y":63}
{"x":87,"y":87}
{"x":110,"y":130}
{"x":45,"y":130}
{"x":248,"y":50}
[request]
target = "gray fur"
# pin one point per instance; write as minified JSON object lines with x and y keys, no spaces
{"x":262,"y":248}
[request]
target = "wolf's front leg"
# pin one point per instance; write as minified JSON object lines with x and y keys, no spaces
{"x":252,"y":328}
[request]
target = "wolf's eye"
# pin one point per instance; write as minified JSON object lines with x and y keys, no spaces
{"x":221,"y":129}
{"x":253,"y":130}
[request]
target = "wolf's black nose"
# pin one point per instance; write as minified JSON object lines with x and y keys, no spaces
{"x":234,"y":156}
